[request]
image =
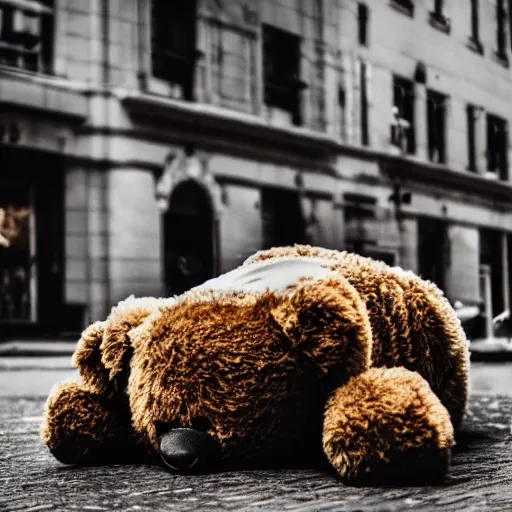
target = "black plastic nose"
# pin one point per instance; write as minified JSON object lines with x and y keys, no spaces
{"x":185,"y":449}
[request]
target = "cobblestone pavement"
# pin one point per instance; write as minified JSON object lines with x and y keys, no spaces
{"x":31,"y":480}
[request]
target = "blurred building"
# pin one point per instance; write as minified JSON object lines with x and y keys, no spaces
{"x":147,"y":145}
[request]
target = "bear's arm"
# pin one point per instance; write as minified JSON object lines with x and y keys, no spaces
{"x":90,"y":422}
{"x":386,"y":426}
{"x":413,"y":326}
{"x":82,"y":427}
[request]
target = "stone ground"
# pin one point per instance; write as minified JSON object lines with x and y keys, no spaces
{"x":31,"y":480}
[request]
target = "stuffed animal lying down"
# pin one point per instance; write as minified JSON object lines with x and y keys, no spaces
{"x":301,"y":351}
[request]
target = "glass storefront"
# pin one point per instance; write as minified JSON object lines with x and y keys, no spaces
{"x":31,"y":242}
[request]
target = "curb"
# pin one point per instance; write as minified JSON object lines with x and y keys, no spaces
{"x":37,"y":348}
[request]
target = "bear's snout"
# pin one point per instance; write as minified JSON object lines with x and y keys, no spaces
{"x":186,"y":449}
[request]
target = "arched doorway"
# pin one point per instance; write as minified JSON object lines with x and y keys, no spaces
{"x":189,"y":238}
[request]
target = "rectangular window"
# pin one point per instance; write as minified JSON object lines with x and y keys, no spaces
{"x":283,"y":221}
{"x":433,"y":250}
{"x":173,"y":43}
{"x":342,"y":112}
{"x":437,"y":17}
{"x":491,"y":254}
{"x":26,"y":35}
{"x":510,"y":22}
{"x":405,"y":6}
{"x":362,"y":23}
{"x":475,"y":21}
{"x":281,"y":71}
{"x":436,"y":126}
{"x":402,"y":129}
{"x":233,"y":70}
{"x":471,"y":127}
{"x":363,"y":76}
{"x":501,"y":30}
{"x":497,"y":146}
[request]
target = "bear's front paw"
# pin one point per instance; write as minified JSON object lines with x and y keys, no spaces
{"x":80,"y":428}
{"x":387,"y":426}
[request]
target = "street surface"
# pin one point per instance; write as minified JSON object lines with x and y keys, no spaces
{"x":31,"y":480}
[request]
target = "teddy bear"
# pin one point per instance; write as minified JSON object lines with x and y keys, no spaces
{"x":301,"y":353}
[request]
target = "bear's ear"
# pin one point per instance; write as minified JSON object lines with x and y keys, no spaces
{"x":117,"y":347}
{"x":326,"y":321}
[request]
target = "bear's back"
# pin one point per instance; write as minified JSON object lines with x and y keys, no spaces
{"x":413,"y":324}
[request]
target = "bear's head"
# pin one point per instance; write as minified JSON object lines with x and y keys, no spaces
{"x":218,"y":375}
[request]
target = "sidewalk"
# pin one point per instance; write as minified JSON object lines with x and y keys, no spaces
{"x":36,"y":355}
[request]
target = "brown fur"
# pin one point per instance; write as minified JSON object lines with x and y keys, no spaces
{"x":382,"y":348}
{"x":359,"y":435}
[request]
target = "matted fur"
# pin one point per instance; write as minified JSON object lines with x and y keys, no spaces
{"x":381,"y":347}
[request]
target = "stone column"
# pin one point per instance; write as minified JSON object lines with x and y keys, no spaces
{"x":409,"y":239}
{"x":420,"y":121}
{"x":462,"y":276}
{"x":351,"y":99}
{"x":86,"y":241}
{"x":481,"y":140}
{"x":134,"y":235}
{"x":506,"y":271}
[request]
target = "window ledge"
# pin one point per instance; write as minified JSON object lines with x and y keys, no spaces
{"x":439,"y":22}
{"x":407,"y":9}
{"x":501,"y":58}
{"x":475,"y":45}
{"x":50,"y":95}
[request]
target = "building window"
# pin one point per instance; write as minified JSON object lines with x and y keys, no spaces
{"x":510,"y":22}
{"x":173,"y":44}
{"x":436,"y":126}
{"x":362,"y":23}
{"x":363,"y":76}
{"x":402,"y":129}
{"x":491,"y":255}
{"x":283,"y":220}
{"x":433,"y":250}
{"x":471,"y":126}
{"x":342,"y":112}
{"x":437,"y":17}
{"x":281,"y":71}
{"x":26,"y":35}
{"x":405,"y":6}
{"x":497,"y":146}
{"x":359,"y":217}
{"x":474,"y":38}
{"x":501,"y":31}
{"x":233,"y":67}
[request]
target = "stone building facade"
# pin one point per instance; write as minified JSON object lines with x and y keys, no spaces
{"x":147,"y":145}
